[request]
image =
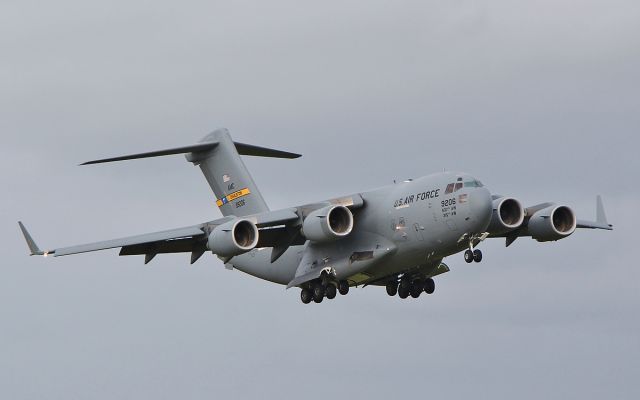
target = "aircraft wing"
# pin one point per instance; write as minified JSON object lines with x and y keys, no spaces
{"x":600,"y":222}
{"x":278,"y":229}
{"x":186,"y":239}
{"x":601,"y":219}
{"x":191,"y":232}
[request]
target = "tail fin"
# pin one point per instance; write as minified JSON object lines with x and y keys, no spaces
{"x":219,"y":159}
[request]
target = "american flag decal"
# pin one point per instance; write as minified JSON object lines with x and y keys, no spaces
{"x":463,"y":198}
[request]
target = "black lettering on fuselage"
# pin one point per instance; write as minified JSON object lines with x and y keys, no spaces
{"x":429,"y":194}
{"x":405,"y":201}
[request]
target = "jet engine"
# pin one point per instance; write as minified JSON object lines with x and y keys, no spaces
{"x":327,"y":224}
{"x":552,"y":223}
{"x":508,"y":214}
{"x":233,"y":238}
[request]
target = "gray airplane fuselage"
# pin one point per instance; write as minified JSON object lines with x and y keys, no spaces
{"x":395,"y":236}
{"x":421,"y":220}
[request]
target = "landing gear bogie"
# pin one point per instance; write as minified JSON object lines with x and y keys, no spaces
{"x":317,"y":290}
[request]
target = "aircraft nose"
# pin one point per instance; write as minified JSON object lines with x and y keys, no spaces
{"x":481,"y":208}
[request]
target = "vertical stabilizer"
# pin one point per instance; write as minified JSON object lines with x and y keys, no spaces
{"x":236,"y":192}
{"x":219,"y":159}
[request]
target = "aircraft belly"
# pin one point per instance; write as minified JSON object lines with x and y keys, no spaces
{"x":257,"y":263}
{"x":343,"y":258}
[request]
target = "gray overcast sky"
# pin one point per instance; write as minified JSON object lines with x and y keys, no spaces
{"x":538,"y":99}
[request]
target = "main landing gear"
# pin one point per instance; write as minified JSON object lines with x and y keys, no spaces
{"x":411,"y":287}
{"x":317,"y":291}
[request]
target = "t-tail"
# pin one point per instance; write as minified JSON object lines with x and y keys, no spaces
{"x":218,"y":156}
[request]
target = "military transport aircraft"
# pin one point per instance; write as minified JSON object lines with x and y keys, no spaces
{"x":395,"y":236}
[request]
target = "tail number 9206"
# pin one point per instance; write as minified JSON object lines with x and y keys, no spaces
{"x":448,"y":202}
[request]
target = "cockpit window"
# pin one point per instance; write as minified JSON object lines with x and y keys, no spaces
{"x":449,"y":188}
{"x":458,"y":186}
{"x":474,"y":183}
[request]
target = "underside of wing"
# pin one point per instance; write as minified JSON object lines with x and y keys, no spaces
{"x":180,"y":235}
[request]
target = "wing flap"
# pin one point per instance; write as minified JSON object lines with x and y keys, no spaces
{"x":185,"y":245}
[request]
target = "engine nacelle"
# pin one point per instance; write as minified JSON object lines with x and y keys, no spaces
{"x":233,"y":238}
{"x":327,"y":224}
{"x":552,"y":223}
{"x":508,"y":214}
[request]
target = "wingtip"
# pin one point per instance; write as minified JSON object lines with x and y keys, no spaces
{"x":33,"y":247}
{"x":601,"y":216}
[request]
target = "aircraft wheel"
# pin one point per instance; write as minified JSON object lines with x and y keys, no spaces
{"x":306,"y":296}
{"x":318,"y":293}
{"x":403,"y":292}
{"x":468,"y":256}
{"x":405,"y":283}
{"x":331,"y":292}
{"x":392,"y":288}
{"x":343,"y":287}
{"x":429,"y":286}
{"x":416,"y":290}
{"x":477,"y":256}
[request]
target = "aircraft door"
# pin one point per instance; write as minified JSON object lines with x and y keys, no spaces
{"x":419,"y":231}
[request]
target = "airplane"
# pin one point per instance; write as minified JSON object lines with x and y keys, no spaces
{"x":395,"y":236}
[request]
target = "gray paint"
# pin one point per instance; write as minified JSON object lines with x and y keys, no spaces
{"x":487,"y":87}
{"x":408,"y":228}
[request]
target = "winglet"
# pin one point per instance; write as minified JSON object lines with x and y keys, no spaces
{"x":33,"y":247}
{"x":600,"y":215}
{"x":601,"y":219}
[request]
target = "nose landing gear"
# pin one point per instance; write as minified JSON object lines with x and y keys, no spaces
{"x":473,"y":255}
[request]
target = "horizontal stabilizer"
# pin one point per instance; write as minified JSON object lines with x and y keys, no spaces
{"x":242,"y":148}
{"x":178,"y":150}
{"x":257,"y":151}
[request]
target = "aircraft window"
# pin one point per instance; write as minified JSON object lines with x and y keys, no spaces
{"x":474,"y":183}
{"x":449,"y":188}
{"x":458,"y":186}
